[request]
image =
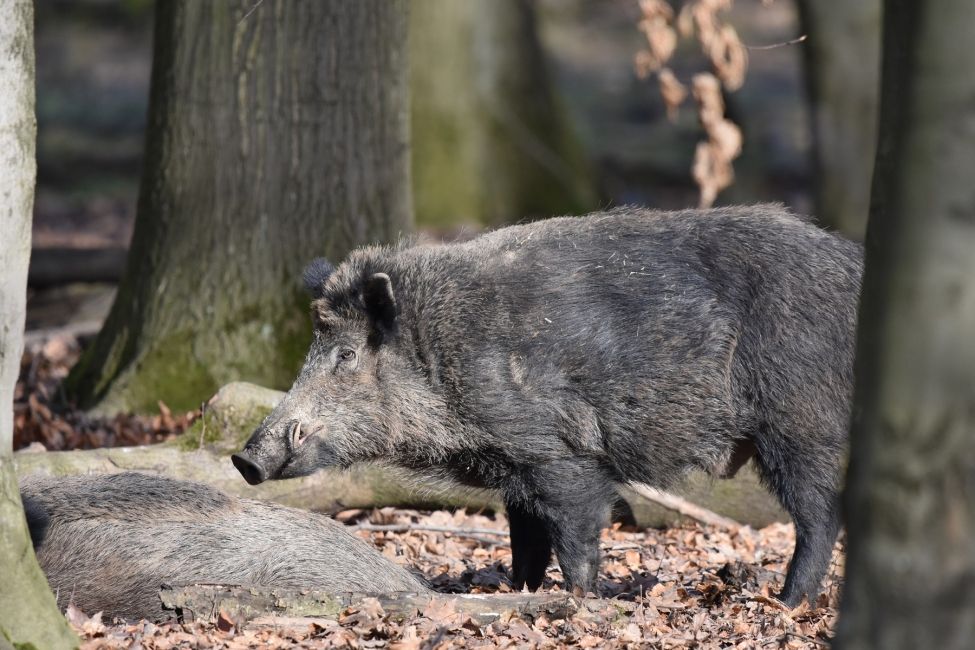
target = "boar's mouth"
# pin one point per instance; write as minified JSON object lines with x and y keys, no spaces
{"x":303,"y":452}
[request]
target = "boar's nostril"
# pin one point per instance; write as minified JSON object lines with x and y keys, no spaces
{"x":251,"y":471}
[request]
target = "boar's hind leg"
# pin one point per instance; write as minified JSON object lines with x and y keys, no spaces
{"x":806,"y":486}
{"x":531,"y":546}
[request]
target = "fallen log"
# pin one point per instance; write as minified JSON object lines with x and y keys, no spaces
{"x":202,"y":454}
{"x":204,"y":603}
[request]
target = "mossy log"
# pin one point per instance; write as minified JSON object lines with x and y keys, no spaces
{"x":202,"y":454}
{"x":206,"y":602}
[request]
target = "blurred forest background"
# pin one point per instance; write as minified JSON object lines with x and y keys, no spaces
{"x":517,"y":109}
{"x":93,"y":65}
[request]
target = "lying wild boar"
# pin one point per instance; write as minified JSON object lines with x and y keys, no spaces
{"x":108,"y":542}
{"x":556,"y":359}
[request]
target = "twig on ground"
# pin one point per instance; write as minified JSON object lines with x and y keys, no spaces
{"x":685,"y":507}
{"x":404,"y":528}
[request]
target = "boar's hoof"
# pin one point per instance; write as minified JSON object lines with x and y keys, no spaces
{"x":251,"y":471}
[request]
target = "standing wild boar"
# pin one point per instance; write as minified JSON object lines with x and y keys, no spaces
{"x":553,"y":360}
{"x":108,"y":542}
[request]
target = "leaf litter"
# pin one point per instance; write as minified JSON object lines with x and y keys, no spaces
{"x":689,"y":586}
{"x":43,"y":420}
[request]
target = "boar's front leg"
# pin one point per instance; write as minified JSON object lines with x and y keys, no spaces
{"x":531,"y":546}
{"x":571,"y":501}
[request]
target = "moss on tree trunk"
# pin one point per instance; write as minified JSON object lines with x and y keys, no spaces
{"x":911,"y":484}
{"x":29,"y":617}
{"x":276,"y":133}
{"x":490,"y":141}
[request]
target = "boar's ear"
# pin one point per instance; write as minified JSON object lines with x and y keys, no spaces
{"x":315,"y":276}
{"x":377,"y":295}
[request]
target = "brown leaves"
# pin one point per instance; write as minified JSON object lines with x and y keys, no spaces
{"x":90,"y":626}
{"x":661,"y":37}
{"x":692,"y":586}
{"x":38,"y":421}
{"x":712,"y":168}
{"x":673,"y":92}
{"x":719,"y":41}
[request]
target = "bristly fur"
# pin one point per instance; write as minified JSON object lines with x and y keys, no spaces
{"x":555,"y":359}
{"x":107,"y":543}
{"x":316,"y":275}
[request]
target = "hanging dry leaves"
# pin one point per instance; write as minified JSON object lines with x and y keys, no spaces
{"x":661,"y":38}
{"x":712,"y":169}
{"x":673,"y":91}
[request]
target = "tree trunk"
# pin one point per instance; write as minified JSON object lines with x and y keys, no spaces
{"x":277,"y":132}
{"x":490,"y":142}
{"x":28,"y":614}
{"x":842,"y":56}
{"x":911,"y":482}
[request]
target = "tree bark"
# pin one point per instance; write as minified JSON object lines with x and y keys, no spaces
{"x":842,"y":61}
{"x":28,"y":613}
{"x":911,"y":482}
{"x":490,"y":142}
{"x":277,"y":132}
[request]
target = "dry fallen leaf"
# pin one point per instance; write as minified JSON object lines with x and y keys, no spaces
{"x":224,"y":622}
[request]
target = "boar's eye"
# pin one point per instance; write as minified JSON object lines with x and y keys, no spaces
{"x":345,"y":360}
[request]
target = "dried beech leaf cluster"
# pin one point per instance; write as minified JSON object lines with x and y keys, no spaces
{"x":701,"y":19}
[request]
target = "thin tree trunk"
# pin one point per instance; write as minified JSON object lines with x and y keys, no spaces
{"x":842,"y":56}
{"x":28,"y":614}
{"x":490,"y":141}
{"x":277,"y":132}
{"x":911,"y":482}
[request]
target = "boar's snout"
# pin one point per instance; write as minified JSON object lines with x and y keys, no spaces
{"x":252,"y":472}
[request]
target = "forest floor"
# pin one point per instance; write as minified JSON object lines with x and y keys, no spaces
{"x":693,"y":586}
{"x":42,"y":418}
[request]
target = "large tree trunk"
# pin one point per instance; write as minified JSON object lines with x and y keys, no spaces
{"x":28,"y":614}
{"x":277,"y":132}
{"x":911,"y":483}
{"x":490,"y":143}
{"x":842,"y":56}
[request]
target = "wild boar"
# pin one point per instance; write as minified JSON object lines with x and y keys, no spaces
{"x":554,"y":360}
{"x":108,"y":542}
